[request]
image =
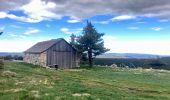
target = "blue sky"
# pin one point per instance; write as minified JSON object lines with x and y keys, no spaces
{"x":131,"y":26}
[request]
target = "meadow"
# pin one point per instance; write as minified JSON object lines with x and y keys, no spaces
{"x":22,"y":81}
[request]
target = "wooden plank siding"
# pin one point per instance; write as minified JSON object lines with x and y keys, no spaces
{"x":61,"y":54}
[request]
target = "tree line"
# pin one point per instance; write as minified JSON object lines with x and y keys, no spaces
{"x":10,"y":57}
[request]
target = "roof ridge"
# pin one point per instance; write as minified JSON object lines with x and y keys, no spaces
{"x":50,"y":40}
{"x":42,"y":46}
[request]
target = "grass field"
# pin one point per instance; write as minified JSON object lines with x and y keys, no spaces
{"x":21,"y":81}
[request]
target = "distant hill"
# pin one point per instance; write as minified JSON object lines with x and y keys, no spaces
{"x":106,"y":55}
{"x":130,"y":55}
{"x":11,"y":53}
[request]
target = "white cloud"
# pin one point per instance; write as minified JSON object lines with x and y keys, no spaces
{"x":65,"y":30}
{"x":72,"y":31}
{"x":31,"y":31}
{"x":133,"y":28}
{"x":157,"y":28}
{"x":36,"y":11}
{"x":101,"y":22}
{"x":3,"y":15}
{"x":40,"y":10}
{"x":123,"y":17}
{"x":20,"y":18}
{"x":137,"y":46}
{"x":73,"y":21}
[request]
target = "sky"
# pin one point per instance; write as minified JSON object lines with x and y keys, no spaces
{"x":130,"y":26}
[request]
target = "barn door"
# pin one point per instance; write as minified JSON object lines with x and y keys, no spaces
{"x":62,"y":59}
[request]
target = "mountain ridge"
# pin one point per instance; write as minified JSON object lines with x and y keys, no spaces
{"x":130,"y":55}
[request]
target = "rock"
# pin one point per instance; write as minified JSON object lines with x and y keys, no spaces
{"x":114,"y":66}
{"x":80,"y":94}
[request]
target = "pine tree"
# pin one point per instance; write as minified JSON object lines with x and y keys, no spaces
{"x":91,"y":43}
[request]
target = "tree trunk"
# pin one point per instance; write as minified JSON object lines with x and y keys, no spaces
{"x":90,"y":58}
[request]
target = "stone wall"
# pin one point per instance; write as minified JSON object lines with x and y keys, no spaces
{"x":36,"y":59}
{"x":43,"y":59}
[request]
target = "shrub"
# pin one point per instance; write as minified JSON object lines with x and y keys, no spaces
{"x":1,"y":64}
{"x":16,"y":57}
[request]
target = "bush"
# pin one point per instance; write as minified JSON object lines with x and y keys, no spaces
{"x":16,"y":57}
{"x":1,"y":64}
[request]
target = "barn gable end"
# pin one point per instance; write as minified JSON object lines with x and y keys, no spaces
{"x":62,"y":54}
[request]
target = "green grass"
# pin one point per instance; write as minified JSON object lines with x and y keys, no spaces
{"x":21,"y":81}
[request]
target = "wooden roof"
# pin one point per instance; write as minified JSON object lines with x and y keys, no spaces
{"x":43,"y":46}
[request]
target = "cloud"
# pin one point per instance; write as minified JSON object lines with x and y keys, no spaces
{"x":36,"y":11}
{"x":157,"y":28}
{"x":101,"y":22}
{"x":54,"y":9}
{"x":31,"y":31}
{"x":72,"y":31}
{"x":3,"y":15}
{"x":123,"y":17}
{"x":73,"y":21}
{"x":123,"y":7}
{"x":6,"y":5}
{"x":65,"y":30}
{"x":117,"y":45}
{"x":20,"y":18}
{"x":40,"y":10}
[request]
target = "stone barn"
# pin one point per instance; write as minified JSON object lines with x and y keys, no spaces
{"x":53,"y":53}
